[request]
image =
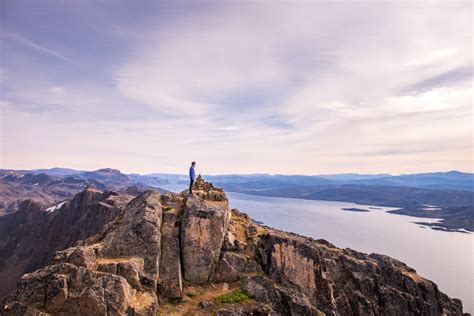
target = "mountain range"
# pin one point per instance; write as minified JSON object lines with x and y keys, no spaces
{"x":148,"y":253}
{"x":448,"y":196}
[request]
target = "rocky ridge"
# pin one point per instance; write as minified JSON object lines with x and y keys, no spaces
{"x":161,"y":247}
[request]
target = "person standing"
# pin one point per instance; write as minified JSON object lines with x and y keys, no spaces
{"x":192,"y":177}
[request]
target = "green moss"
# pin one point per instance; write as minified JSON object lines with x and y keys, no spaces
{"x":192,"y":294}
{"x":237,"y":295}
{"x":166,"y":208}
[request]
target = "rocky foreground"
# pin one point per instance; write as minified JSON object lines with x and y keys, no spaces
{"x":172,"y":254}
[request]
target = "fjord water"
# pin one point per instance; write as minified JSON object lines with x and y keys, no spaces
{"x":443,"y":257}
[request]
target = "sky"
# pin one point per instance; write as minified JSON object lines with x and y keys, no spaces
{"x":284,"y":87}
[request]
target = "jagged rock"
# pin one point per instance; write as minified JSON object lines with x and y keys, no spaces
{"x":79,"y":256}
{"x":130,"y":269}
{"x":115,"y":275}
{"x":87,"y":197}
{"x":138,"y":234}
{"x":30,"y":237}
{"x":69,"y":289}
{"x":339,"y":281}
{"x":18,"y":309}
{"x":283,"y":300}
{"x":245,"y":310}
{"x":262,"y":289}
{"x":232,"y":266}
{"x":229,"y":241}
{"x":293,"y":303}
{"x":251,"y":231}
{"x":171,"y":199}
{"x":206,"y":304}
{"x":207,"y":191}
{"x":139,"y":246}
{"x":170,"y":267}
{"x":203,"y":228}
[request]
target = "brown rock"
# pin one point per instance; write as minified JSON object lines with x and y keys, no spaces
{"x":116,"y":271}
{"x":233,"y":266}
{"x":68,"y":289}
{"x":170,"y":267}
{"x":138,"y":234}
{"x":30,"y":237}
{"x":79,"y":256}
{"x":203,"y":228}
{"x":337,"y":281}
{"x":130,"y":269}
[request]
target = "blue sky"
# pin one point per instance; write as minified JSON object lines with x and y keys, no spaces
{"x":240,"y":87}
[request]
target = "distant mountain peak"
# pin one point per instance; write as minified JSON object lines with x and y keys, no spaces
{"x":108,"y":170}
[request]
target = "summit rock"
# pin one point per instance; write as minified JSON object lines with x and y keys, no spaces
{"x":176,"y":253}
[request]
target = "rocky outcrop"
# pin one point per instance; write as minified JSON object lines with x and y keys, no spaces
{"x":30,"y":237}
{"x":171,"y":283}
{"x":204,"y":226}
{"x":137,"y":234}
{"x":115,"y":272}
{"x":336,"y":281}
{"x":161,"y":247}
{"x":69,"y":289}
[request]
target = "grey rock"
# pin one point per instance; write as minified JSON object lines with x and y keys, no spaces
{"x":233,"y":266}
{"x":203,"y":229}
{"x":337,"y":281}
{"x":138,"y":233}
{"x":206,"y":304}
{"x":170,"y":284}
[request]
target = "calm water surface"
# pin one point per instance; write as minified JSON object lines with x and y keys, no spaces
{"x":443,"y":257}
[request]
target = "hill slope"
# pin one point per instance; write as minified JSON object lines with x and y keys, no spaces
{"x":161,"y":248}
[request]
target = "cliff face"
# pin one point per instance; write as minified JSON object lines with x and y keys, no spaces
{"x":173,"y":254}
{"x":30,"y":237}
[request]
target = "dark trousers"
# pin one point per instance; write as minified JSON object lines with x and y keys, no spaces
{"x":191,"y":182}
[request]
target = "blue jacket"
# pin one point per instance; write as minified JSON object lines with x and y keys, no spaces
{"x":192,"y":174}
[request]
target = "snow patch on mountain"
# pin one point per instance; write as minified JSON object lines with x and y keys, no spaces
{"x":55,"y":207}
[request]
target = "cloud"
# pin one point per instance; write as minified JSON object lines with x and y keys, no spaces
{"x":304,"y":88}
{"x":4,"y":104}
{"x":23,"y":40}
{"x":453,"y":77}
{"x":55,"y":90}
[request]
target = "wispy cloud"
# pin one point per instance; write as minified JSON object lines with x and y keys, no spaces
{"x":310,"y":87}
{"x":23,"y":40}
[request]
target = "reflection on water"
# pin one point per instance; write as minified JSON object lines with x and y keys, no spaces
{"x":443,"y":257}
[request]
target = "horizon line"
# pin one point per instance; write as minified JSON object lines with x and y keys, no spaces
{"x":244,"y":174}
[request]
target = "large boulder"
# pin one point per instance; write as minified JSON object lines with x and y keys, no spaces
{"x":203,"y":228}
{"x":283,"y":300}
{"x":71,"y":290}
{"x":233,"y":266}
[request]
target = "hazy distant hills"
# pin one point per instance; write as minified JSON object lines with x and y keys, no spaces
{"x":452,"y":180}
{"x":452,"y":192}
{"x":17,"y":186}
{"x":49,"y":186}
{"x":58,"y":171}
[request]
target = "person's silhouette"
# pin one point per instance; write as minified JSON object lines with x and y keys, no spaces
{"x":192,"y":176}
